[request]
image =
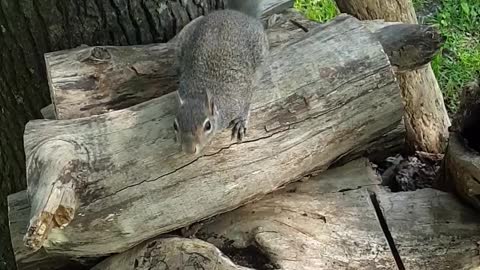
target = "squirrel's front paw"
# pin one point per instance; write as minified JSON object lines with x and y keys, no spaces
{"x":239,"y":128}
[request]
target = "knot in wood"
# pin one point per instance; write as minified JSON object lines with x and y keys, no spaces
{"x":99,"y":53}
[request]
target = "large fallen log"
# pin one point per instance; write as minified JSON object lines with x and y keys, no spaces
{"x":327,"y":222}
{"x":93,"y":80}
{"x":104,"y":176}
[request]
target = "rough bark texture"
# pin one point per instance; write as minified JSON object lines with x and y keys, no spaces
{"x":326,"y":222}
{"x":30,"y":28}
{"x":426,"y":117}
{"x":94,"y":80}
{"x":315,"y":103}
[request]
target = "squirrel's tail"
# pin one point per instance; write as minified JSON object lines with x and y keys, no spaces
{"x":249,"y":7}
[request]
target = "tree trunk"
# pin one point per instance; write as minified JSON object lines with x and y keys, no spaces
{"x":30,"y":28}
{"x":426,"y":119}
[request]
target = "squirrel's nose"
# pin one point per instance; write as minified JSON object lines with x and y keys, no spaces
{"x":191,"y":149}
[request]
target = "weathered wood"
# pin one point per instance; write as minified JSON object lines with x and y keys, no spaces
{"x":426,"y":117}
{"x":432,"y":229}
{"x":19,"y":217}
{"x":327,"y":222}
{"x":390,"y":143}
{"x":170,"y":253}
{"x":95,"y":80}
{"x":462,"y":159}
{"x":462,"y":170}
{"x":314,"y":104}
{"x":409,"y":46}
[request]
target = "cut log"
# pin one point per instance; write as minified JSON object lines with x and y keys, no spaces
{"x":131,"y":181}
{"x":170,"y":253}
{"x":426,"y":117}
{"x":431,"y":229}
{"x":462,"y":160}
{"x":94,"y":80}
{"x":327,"y":222}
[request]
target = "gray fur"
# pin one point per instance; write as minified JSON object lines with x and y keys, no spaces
{"x":220,"y":58}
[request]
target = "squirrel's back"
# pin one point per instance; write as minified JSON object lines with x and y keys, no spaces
{"x":226,"y":44}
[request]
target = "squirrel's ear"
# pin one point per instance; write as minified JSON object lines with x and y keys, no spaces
{"x":210,"y":103}
{"x":180,"y":100}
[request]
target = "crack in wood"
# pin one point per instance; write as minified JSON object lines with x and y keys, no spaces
{"x":182,"y":167}
{"x":386,"y":231}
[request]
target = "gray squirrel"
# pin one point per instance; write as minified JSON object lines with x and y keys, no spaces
{"x":220,"y":58}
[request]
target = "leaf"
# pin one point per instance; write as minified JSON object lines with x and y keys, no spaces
{"x":465,"y":7}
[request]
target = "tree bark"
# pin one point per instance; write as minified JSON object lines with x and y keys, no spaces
{"x":28,"y":29}
{"x":426,"y":117}
{"x":295,"y":100}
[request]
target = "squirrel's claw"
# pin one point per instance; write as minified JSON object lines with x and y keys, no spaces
{"x":239,"y":128}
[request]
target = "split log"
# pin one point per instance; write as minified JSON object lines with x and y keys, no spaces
{"x":94,"y":80}
{"x":171,"y":253}
{"x":327,"y":222}
{"x":462,"y":160}
{"x":314,"y":104}
{"x":426,"y":117}
{"x":431,"y":229}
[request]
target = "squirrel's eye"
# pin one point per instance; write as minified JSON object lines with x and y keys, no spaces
{"x":208,"y":126}
{"x":175,"y":126}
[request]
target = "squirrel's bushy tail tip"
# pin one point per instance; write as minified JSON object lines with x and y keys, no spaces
{"x":249,"y":7}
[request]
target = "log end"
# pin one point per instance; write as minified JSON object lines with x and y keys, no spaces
{"x":54,"y":215}
{"x":410,"y":46}
{"x":38,"y":230}
{"x":56,"y":169}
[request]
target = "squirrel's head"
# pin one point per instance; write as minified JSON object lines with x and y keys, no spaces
{"x":195,"y":123}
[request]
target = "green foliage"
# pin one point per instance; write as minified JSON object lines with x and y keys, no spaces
{"x":459,"y":22}
{"x":418,"y":4}
{"x":317,"y":10}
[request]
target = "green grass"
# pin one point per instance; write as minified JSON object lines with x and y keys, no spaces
{"x":457,"y":20}
{"x":459,"y":61}
{"x":317,"y":10}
